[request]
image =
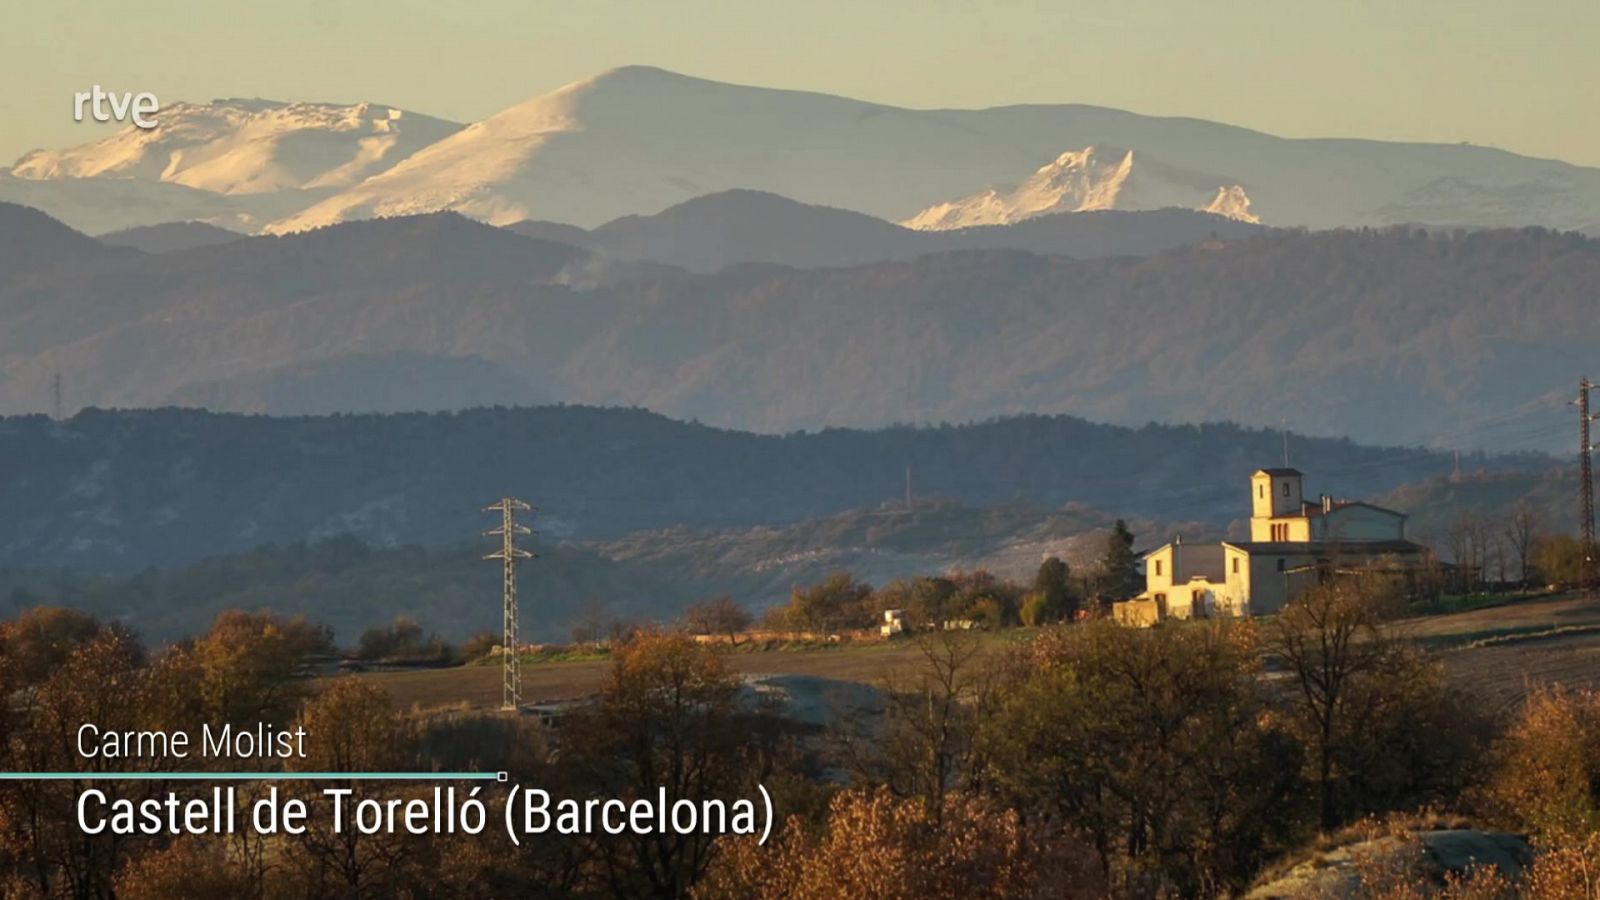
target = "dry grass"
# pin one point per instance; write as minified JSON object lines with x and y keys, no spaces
{"x":478,"y":686}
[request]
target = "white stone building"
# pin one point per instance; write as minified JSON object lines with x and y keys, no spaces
{"x":1293,"y":545}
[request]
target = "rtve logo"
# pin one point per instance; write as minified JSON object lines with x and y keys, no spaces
{"x":107,"y":106}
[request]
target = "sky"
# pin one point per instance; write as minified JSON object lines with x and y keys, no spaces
{"x":1520,"y":76}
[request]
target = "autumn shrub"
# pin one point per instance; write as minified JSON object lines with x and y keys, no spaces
{"x":1547,"y":773}
{"x":875,"y":845}
{"x":192,"y":867}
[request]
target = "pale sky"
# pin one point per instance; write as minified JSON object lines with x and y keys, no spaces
{"x":1518,"y":75}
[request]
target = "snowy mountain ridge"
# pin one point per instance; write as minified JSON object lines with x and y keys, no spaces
{"x":254,"y":146}
{"x":1086,"y":180}
{"x":637,"y":140}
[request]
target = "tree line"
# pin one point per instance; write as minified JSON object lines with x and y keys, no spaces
{"x":1086,"y":760}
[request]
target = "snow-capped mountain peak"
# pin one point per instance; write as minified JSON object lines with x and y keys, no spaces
{"x":1084,"y":181}
{"x":1231,"y":201}
{"x":248,"y":146}
{"x":1075,"y":181}
{"x":638,"y":140}
{"x":1080,"y":181}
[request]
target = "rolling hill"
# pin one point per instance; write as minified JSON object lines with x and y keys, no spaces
{"x":710,"y":233}
{"x":1445,"y":338}
{"x":31,"y":241}
{"x":169,"y":237}
{"x":121,"y":490}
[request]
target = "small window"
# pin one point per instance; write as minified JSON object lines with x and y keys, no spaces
{"x":1261,"y":491}
{"x":1286,"y":488}
{"x":1158,"y":567}
{"x":1280,"y":564}
{"x":1236,"y":565}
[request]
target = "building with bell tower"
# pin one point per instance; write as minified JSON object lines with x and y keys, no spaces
{"x":1278,"y":501}
{"x":1293,"y":545}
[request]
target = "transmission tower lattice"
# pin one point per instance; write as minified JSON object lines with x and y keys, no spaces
{"x":510,"y":554}
{"x":1585,"y":486}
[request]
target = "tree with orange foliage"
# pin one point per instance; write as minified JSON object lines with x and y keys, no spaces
{"x":39,"y":640}
{"x":250,"y":665}
{"x":1547,"y":772}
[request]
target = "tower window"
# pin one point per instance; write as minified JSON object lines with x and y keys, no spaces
{"x":1286,"y":488}
{"x":1236,"y":565}
{"x":1158,"y":567}
{"x":1280,"y":564}
{"x":1261,"y":491}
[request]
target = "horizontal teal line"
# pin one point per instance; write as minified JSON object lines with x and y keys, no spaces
{"x":250,"y":776}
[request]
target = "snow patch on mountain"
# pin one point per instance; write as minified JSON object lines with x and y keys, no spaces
{"x":637,"y":140}
{"x":1231,"y":201}
{"x":1085,"y":181}
{"x":252,"y":146}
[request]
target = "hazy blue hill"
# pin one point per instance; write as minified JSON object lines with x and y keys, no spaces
{"x":1469,"y":339}
{"x":715,"y":231}
{"x":120,"y":490}
{"x":31,"y":241}
{"x":169,"y":237}
{"x":351,"y":586}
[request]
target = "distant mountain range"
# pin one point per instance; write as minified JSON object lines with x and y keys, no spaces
{"x":710,"y":233}
{"x":637,"y":140}
{"x":1089,"y":180}
{"x":1468,"y":339}
{"x":237,"y":163}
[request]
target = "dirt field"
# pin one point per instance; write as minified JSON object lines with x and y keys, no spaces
{"x":1500,"y":653}
{"x":1496,"y":653}
{"x":478,"y":686}
{"x":1530,"y":615}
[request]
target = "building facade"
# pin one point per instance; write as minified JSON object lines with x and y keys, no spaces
{"x":1294,"y":544}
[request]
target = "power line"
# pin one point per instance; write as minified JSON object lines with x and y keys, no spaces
{"x":510,"y":554}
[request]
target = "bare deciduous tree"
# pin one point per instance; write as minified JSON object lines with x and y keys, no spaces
{"x":719,"y":615}
{"x":1522,"y":529}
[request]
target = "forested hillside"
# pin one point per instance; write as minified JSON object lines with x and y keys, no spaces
{"x":1449,"y":339}
{"x":123,"y":489}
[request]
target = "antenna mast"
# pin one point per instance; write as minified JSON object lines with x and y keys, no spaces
{"x":510,"y":554}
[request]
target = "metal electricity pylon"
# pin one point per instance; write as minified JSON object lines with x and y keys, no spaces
{"x":510,"y":554}
{"x":1585,"y":486}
